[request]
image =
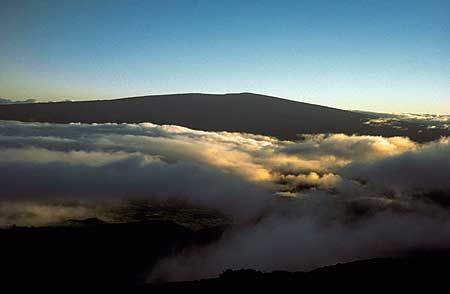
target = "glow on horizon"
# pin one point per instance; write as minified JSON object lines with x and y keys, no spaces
{"x":383,"y":56}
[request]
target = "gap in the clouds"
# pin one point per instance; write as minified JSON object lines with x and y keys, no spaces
{"x":66,"y":213}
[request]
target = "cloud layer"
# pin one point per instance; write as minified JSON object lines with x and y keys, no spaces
{"x":9,"y":101}
{"x":297,"y":205}
{"x":428,"y":121}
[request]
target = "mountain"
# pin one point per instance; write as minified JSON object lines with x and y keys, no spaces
{"x":242,"y":112}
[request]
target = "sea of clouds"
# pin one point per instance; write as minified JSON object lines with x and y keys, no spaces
{"x":299,"y":205}
{"x":395,"y":120}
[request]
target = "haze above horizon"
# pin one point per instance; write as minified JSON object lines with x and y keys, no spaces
{"x":384,"y":56}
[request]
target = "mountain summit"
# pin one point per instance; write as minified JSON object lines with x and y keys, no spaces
{"x":241,"y":112}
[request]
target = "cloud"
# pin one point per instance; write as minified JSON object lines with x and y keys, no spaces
{"x":41,"y":213}
{"x":426,"y":170}
{"x":323,"y":199}
{"x":265,"y":161}
{"x":302,"y":244}
{"x":9,"y":101}
{"x":398,"y":120}
{"x":135,"y":177}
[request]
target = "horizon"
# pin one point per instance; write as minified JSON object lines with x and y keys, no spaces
{"x":31,"y":100}
{"x":371,"y":56}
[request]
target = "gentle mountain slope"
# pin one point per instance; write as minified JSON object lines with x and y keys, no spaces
{"x":244,"y":112}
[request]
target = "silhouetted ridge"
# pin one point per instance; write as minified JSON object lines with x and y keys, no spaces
{"x":242,"y":112}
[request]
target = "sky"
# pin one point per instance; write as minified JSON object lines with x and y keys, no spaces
{"x":387,"y":56}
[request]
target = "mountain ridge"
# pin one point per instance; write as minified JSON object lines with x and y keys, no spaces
{"x":236,"y":112}
{"x":242,"y":112}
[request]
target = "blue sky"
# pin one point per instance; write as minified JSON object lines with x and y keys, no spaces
{"x":391,"y":56}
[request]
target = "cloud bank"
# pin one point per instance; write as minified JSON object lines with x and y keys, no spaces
{"x":428,"y":121}
{"x":323,"y":199}
{"x":9,"y":101}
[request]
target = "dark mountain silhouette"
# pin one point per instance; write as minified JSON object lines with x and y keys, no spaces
{"x":243,"y":112}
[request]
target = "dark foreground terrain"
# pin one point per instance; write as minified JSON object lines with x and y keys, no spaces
{"x":427,"y":270}
{"x":242,"y":112}
{"x":92,"y":255}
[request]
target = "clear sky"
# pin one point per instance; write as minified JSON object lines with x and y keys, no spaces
{"x":391,"y":56}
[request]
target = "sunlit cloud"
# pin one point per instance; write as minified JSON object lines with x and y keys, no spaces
{"x":331,"y":195}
